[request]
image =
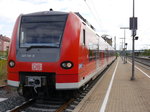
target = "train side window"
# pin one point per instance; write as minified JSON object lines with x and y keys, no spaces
{"x":84,"y":37}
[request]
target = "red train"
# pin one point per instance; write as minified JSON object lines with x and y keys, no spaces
{"x":53,"y":50}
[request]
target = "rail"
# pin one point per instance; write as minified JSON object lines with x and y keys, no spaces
{"x":145,"y":61}
{"x":64,"y":106}
{"x":22,"y":106}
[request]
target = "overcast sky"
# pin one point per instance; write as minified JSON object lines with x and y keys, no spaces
{"x":107,"y":16}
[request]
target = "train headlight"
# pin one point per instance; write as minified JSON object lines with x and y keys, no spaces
{"x":11,"y":63}
{"x":67,"y":64}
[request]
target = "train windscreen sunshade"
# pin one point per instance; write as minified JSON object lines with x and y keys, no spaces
{"x":42,"y":30}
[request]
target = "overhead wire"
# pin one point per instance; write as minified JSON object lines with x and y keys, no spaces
{"x":90,"y":9}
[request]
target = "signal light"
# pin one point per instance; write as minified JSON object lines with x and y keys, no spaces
{"x":11,"y":63}
{"x":136,"y":38}
{"x":67,"y":65}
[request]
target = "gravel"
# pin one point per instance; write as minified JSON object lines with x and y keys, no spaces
{"x":13,"y":99}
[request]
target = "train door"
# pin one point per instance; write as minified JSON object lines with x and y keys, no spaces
{"x":82,"y":52}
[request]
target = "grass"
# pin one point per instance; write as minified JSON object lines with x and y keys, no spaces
{"x":3,"y":71}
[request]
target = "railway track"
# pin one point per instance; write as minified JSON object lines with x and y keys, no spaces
{"x":33,"y":105}
{"x":50,"y":105}
{"x":54,"y":105}
{"x":22,"y":106}
{"x":144,"y":61}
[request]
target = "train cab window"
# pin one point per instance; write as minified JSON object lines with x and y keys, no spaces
{"x":84,"y":36}
{"x":42,"y":30}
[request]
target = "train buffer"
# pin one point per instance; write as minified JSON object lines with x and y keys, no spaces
{"x":115,"y":92}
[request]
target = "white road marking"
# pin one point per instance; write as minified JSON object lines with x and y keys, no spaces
{"x":140,"y":70}
{"x":103,"y":107}
{"x":3,"y":99}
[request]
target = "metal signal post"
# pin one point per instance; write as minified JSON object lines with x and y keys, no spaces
{"x":133,"y":27}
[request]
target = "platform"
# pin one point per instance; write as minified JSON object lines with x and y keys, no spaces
{"x":115,"y":92}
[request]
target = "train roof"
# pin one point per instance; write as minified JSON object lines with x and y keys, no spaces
{"x":51,"y":12}
{"x":46,"y":13}
{"x":79,"y":15}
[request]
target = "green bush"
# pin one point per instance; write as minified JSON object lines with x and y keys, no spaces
{"x":3,"y":68}
{"x":146,"y":52}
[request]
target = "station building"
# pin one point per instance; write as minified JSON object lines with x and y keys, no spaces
{"x":4,"y":43}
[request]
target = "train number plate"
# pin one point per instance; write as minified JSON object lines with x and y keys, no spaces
{"x":37,"y":66}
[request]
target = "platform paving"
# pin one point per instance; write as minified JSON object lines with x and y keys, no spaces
{"x":125,"y":95}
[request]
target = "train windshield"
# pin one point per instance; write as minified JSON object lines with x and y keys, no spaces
{"x":42,"y":30}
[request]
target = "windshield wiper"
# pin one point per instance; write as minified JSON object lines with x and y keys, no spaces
{"x":40,"y":47}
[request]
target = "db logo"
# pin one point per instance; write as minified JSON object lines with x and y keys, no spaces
{"x":37,"y":66}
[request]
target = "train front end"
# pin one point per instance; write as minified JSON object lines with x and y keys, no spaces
{"x":37,"y":60}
